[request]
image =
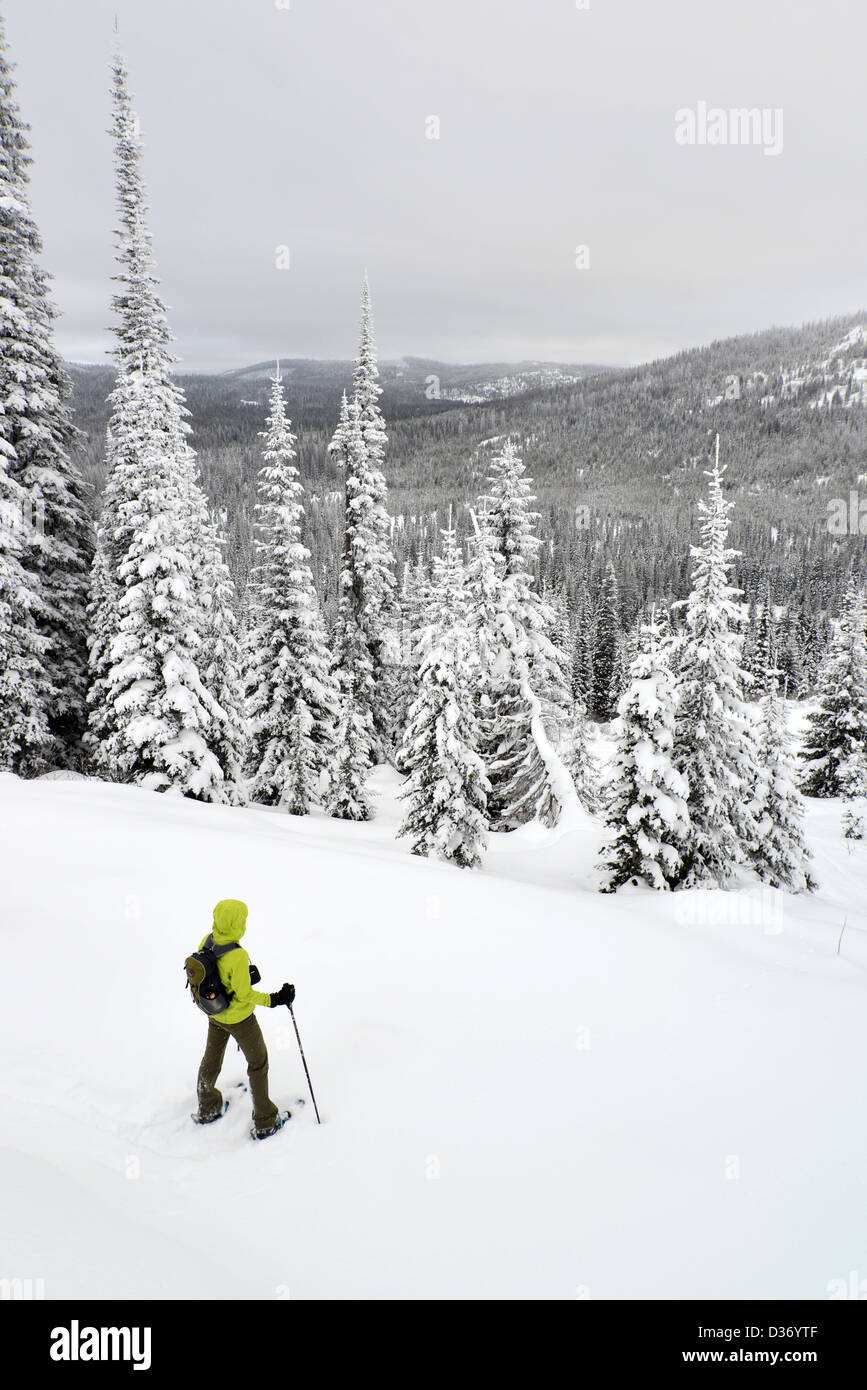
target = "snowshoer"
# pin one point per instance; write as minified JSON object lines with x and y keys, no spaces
{"x":238,"y":1021}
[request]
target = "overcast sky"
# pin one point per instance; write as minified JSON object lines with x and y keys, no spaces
{"x":306,"y":126}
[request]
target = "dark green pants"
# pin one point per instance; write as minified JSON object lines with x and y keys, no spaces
{"x":248,"y":1035}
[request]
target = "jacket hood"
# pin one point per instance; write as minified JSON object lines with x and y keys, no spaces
{"x":230,"y":921}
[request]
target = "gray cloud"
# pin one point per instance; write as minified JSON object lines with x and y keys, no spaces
{"x":306,"y":126}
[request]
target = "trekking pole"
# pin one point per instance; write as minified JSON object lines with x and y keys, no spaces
{"x":304,"y":1060}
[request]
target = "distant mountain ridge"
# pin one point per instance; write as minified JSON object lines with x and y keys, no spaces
{"x":413,"y":378}
{"x":822,"y":364}
{"x":617,"y":459}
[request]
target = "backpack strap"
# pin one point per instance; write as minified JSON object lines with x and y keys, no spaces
{"x":220,"y":950}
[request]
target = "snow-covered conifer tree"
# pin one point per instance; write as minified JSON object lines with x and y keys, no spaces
{"x":447,"y":787}
{"x":606,"y":660}
{"x":714,"y":733}
{"x":291,"y":696}
{"x":778,"y":854}
{"x":646,"y":815}
{"x":46,"y":532}
{"x":353,"y":755}
{"x":414,"y":598}
{"x":580,"y":761}
{"x":493,"y":672}
{"x":102,"y":623}
{"x":515,"y":768}
{"x":222,"y":666}
{"x":760,"y":654}
{"x":835,"y":743}
{"x":581,"y":663}
{"x":153,"y":720}
{"x":367,"y":578}
{"x":528,"y":669}
{"x":23,"y":716}
{"x":353,"y":662}
{"x":163,"y":718}
{"x":509,"y":517}
{"x":671,"y":638}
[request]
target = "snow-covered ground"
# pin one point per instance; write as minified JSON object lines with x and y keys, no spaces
{"x":528,"y":1089}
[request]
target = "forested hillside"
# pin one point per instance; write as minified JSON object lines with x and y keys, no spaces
{"x":617,"y":461}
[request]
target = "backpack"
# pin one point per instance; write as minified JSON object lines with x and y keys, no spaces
{"x":203,"y":977}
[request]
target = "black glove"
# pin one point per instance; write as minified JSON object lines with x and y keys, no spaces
{"x":283,"y":996}
{"x":255,"y":977}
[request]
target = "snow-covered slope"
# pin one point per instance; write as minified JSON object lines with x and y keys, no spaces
{"x":838,"y":379}
{"x":528,"y":1089}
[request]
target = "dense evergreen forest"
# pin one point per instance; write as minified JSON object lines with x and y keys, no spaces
{"x":617,"y":460}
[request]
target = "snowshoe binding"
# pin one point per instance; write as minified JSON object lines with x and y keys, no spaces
{"x":209,"y":1119}
{"x":277,"y":1123}
{"x":239,"y":1086}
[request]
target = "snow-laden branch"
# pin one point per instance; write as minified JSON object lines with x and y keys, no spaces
{"x":572,"y":814}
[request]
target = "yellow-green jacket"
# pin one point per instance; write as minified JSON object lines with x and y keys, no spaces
{"x":230,"y":923}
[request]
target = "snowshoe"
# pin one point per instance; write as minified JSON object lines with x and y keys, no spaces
{"x":209,"y":1119}
{"x":278,"y":1122}
{"x":239,"y":1086}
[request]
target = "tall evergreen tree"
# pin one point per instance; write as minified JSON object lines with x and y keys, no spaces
{"x":153,"y":719}
{"x":582,"y":670}
{"x":778,"y":854}
{"x":414,"y":601}
{"x":494,"y":675}
{"x":24,"y":727}
{"x":163,"y":722}
{"x":605,"y":689}
{"x":527,"y":668}
{"x":222,"y":666}
{"x":646,"y":816}
{"x":580,"y":761}
{"x":789,"y":659}
{"x":142,"y":353}
{"x":509,"y":517}
{"x":46,"y":532}
{"x":367,"y":579}
{"x":102,"y":623}
{"x":762,"y":645}
{"x":447,"y":787}
{"x":835,"y":743}
{"x":353,"y":666}
{"x":353,"y":757}
{"x":291,"y":697}
{"x":714,"y":738}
